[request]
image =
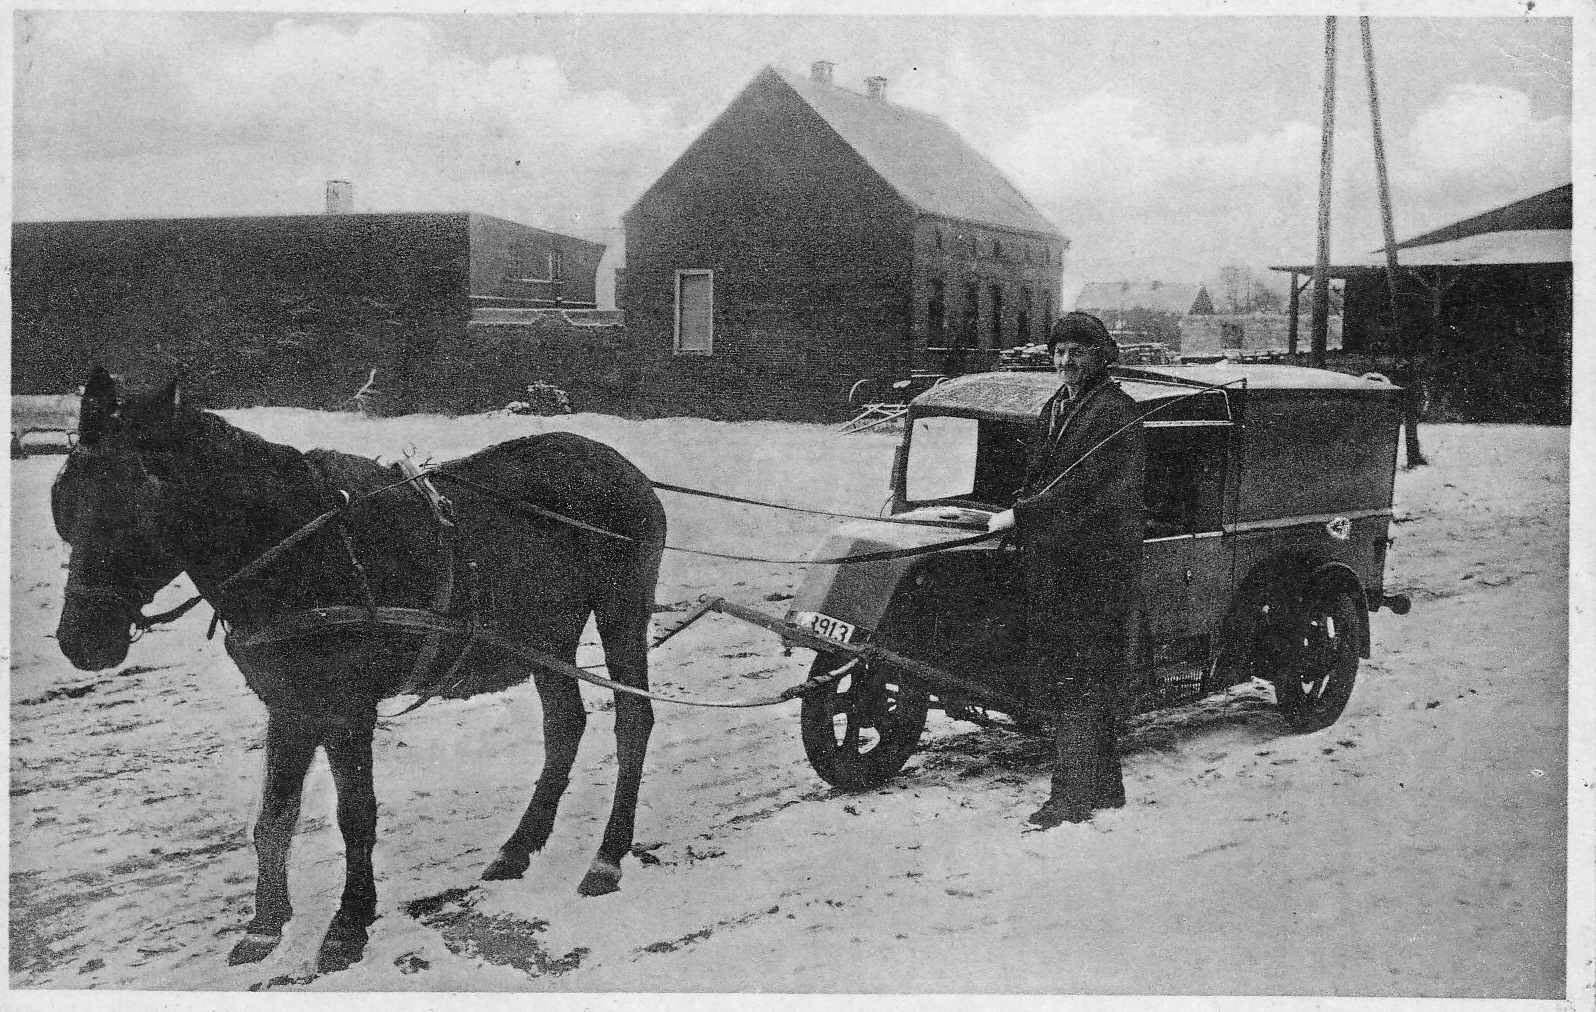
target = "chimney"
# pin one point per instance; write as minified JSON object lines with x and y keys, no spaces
{"x":820,"y":72}
{"x":340,"y":196}
{"x":878,"y":88}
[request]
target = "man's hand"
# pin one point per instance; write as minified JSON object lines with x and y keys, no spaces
{"x":1000,"y":521}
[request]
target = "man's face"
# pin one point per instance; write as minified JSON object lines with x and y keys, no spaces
{"x":1075,"y":363}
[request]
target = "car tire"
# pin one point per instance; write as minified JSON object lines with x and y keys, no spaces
{"x":861,"y":727}
{"x":1312,"y":656}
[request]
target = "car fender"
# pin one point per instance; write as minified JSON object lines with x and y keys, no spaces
{"x":1341,"y":576}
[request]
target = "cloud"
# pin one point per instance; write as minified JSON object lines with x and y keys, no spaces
{"x":1484,"y":143}
{"x":1138,"y":203}
{"x":218,"y":124}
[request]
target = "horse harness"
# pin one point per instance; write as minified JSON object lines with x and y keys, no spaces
{"x":431,"y":675}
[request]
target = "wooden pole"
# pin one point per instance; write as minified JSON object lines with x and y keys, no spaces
{"x":1296,"y":306}
{"x":1409,"y":376}
{"x":1321,"y":267}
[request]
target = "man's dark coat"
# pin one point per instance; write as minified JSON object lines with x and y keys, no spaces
{"x":1082,"y":535}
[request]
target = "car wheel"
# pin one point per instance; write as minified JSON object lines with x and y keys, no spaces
{"x":860,"y":728}
{"x":1314,"y":657}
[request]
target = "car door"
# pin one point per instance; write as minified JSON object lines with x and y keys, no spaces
{"x":1185,"y":557}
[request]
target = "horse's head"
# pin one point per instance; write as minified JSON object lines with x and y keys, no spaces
{"x":107,"y":503}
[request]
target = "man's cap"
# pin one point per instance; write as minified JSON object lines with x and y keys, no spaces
{"x":1081,"y":328}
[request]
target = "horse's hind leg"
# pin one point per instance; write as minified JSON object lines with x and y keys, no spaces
{"x":290,"y":746}
{"x":622,"y":621}
{"x":349,"y":756}
{"x":564,"y":720}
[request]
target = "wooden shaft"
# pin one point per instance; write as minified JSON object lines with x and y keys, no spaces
{"x":932,"y":676}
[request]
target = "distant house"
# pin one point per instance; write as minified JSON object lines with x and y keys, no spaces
{"x":289,"y":310}
{"x":1143,"y":310}
{"x":813,"y":237}
{"x":1099,"y":297}
{"x":1490,"y":311}
{"x":1242,"y":335}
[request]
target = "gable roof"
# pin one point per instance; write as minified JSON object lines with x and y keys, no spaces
{"x":920,"y":157}
{"x":1121,"y":295}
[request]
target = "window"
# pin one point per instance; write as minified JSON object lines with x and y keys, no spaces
{"x":1047,"y":312}
{"x":1024,"y":325}
{"x":515,"y":267}
{"x":960,"y":458}
{"x":997,"y":248}
{"x":939,"y":238}
{"x":936,"y":313}
{"x":970,"y":333}
{"x":1185,"y":483}
{"x":941,"y":459}
{"x":526,"y":264}
{"x":997,"y":316}
{"x":695,"y":311}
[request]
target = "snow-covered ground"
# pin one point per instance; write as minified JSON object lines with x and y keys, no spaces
{"x":1415,"y":848}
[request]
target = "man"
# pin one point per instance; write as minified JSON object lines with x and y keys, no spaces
{"x":1079,"y":520}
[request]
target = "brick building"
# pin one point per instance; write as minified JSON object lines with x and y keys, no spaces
{"x":288,"y":310}
{"x":814,"y":236}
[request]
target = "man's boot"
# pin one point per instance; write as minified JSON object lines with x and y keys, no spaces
{"x":1075,"y":772}
{"x":1108,"y":786}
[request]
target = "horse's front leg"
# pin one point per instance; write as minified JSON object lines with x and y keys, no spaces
{"x":290,"y":746}
{"x":349,"y":757}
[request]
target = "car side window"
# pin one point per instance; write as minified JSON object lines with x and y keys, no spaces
{"x":1185,"y":483}
{"x":1000,"y":462}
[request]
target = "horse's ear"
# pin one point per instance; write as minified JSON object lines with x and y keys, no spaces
{"x":171,"y":398}
{"x":97,"y":406}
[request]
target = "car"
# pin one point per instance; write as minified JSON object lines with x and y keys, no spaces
{"x":1268,"y":495}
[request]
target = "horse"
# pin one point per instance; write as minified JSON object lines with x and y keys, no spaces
{"x":535,"y":536}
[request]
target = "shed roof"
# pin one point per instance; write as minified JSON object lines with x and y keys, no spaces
{"x":920,"y":157}
{"x":1535,"y":230}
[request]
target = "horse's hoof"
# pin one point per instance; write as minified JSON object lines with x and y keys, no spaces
{"x":342,"y":948}
{"x":506,"y":866}
{"x":252,"y":948}
{"x":601,"y":878}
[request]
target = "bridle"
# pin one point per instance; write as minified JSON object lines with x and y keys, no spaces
{"x":138,"y":589}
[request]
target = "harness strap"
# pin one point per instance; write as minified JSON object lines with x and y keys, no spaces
{"x":319,"y":620}
{"x":443,"y":592}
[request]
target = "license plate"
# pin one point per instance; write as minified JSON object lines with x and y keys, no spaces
{"x":824,"y":625}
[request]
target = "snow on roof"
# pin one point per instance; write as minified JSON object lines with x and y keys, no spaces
{"x":921,"y":157}
{"x":1535,"y":230}
{"x":1121,"y":295}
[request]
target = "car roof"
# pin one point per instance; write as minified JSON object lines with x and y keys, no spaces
{"x":1021,"y":394}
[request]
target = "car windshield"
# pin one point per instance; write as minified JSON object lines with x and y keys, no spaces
{"x":951,"y":458}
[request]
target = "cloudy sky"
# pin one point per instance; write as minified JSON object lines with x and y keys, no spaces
{"x":1164,"y":147}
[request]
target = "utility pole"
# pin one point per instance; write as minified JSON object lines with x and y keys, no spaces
{"x":1321,"y":267}
{"x":1403,"y":342}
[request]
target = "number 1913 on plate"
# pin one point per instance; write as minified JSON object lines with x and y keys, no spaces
{"x":824,"y":625}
